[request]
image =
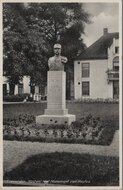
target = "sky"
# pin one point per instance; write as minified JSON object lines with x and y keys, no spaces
{"x":103,"y":15}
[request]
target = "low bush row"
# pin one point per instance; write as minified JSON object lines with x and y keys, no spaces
{"x":21,"y":97}
{"x":17,"y":98}
{"x":97,"y":100}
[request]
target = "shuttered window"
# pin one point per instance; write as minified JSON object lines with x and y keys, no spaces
{"x":85,"y":70}
{"x":85,"y":89}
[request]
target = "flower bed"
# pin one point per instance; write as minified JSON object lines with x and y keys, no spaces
{"x":87,"y":130}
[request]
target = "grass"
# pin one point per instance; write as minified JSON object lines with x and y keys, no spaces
{"x":79,"y":109}
{"x":90,"y":169}
{"x":103,"y":110}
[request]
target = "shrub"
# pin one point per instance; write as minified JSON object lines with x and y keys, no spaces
{"x":69,"y":133}
{"x":88,"y":130}
{"x":15,"y":98}
{"x":22,"y":119}
{"x":62,"y":133}
{"x":97,"y":100}
{"x":55,"y":134}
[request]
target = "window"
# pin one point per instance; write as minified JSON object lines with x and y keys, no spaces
{"x":20,"y":89}
{"x":85,"y":88}
{"x":85,"y":69}
{"x":116,"y":64}
{"x":116,"y":68}
{"x":116,"y":49}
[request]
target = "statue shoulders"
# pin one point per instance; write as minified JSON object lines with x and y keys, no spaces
{"x":51,"y":59}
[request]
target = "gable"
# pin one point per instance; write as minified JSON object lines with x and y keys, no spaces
{"x":99,"y":49}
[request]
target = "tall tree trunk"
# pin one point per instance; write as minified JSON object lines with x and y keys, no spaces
{"x":12,"y":88}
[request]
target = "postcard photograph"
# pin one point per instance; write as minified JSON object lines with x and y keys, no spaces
{"x":61,"y":94}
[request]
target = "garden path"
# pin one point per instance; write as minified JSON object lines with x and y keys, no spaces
{"x":15,"y":152}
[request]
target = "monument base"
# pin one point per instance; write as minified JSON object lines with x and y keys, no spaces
{"x":56,"y":112}
{"x":55,"y":119}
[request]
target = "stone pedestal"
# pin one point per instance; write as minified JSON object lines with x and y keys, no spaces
{"x":56,"y":112}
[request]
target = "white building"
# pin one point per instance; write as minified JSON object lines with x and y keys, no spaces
{"x":96,"y":70}
{"x":23,"y":87}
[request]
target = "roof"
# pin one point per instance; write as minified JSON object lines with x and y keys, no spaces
{"x":98,"y":50}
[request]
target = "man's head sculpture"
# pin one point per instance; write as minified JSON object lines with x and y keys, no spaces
{"x":57,"y":46}
{"x":56,"y":63}
{"x":57,"y":49}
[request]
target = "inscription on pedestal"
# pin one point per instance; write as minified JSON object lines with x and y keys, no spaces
{"x":56,"y":92}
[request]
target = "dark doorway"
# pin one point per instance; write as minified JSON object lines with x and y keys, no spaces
{"x":4,"y":89}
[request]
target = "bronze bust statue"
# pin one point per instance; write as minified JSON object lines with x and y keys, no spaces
{"x":56,"y":63}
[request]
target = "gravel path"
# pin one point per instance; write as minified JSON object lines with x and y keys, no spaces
{"x":15,"y":152}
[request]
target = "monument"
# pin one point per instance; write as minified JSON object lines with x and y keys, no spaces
{"x":56,"y":112}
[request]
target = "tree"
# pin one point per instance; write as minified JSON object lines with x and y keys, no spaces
{"x":23,"y":49}
{"x":12,"y":56}
{"x":30,"y":32}
{"x":64,"y":23}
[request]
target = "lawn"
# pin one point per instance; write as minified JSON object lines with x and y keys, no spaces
{"x":101,"y":133}
{"x":110,"y":110}
{"x":91,"y":170}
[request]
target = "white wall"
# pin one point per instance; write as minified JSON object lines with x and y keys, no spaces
{"x":26,"y":87}
{"x":99,"y":87}
{"x":77,"y":78}
{"x":26,"y":82}
{"x":98,"y":79}
{"x":5,"y":81}
{"x":16,"y":89}
{"x":111,"y":53}
{"x":36,"y":90}
{"x":111,"y":56}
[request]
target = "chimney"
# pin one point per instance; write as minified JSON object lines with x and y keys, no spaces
{"x":105,"y":31}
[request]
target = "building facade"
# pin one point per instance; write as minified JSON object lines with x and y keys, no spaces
{"x":23,"y":87}
{"x":96,"y":70}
